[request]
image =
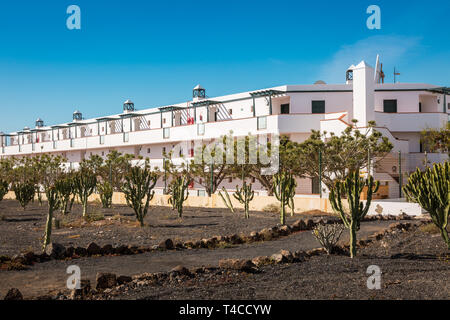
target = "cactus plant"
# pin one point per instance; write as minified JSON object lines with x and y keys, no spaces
{"x":431,"y":190}
{"x":54,"y":202}
{"x":244,"y":195}
{"x":178,"y":193}
{"x":66,"y":196}
{"x":25,"y":192}
{"x":226,"y":199}
{"x":284,"y":186}
{"x":138,"y":185}
{"x":84,"y":184}
{"x":3,"y":189}
{"x":352,"y":187}
{"x":106,"y":191}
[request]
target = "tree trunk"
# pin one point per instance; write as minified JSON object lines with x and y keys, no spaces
{"x":444,"y":235}
{"x":48,"y":228}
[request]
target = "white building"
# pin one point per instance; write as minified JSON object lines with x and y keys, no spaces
{"x":400,"y":110}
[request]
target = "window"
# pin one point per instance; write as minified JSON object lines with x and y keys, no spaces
{"x":230,"y":180}
{"x":181,"y":152}
{"x":253,"y":180}
{"x":102,"y":139}
{"x":126,"y":137}
{"x":230,"y":111}
{"x":148,"y":150}
{"x":200,"y":129}
{"x":201,"y":193}
{"x":163,"y":150}
{"x":318,"y":106}
{"x":285,"y":108}
{"x":420,"y":106}
{"x":262,"y":123}
{"x":390,"y":106}
{"x":166,"y":133}
{"x":164,"y":120}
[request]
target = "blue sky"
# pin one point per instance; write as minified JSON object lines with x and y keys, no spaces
{"x":155,"y":52}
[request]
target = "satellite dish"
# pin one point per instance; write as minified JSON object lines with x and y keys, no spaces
{"x":320,"y":82}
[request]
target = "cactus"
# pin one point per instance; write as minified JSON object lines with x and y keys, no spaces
{"x":24,"y":192}
{"x":431,"y":190}
{"x":226,"y":199}
{"x":291,"y":203}
{"x":106,"y":191}
{"x":65,"y":188}
{"x":54,"y":202}
{"x":138,"y":185}
{"x":284,"y":186}
{"x":352,"y":187}
{"x":84,"y":184}
{"x":178,"y":193}
{"x":244,"y":195}
{"x":3,"y":189}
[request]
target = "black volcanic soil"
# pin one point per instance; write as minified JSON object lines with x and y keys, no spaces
{"x":414,"y":265}
{"x":23,"y":230}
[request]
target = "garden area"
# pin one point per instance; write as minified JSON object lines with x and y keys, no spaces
{"x":57,"y":244}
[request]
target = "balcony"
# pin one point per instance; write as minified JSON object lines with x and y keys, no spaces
{"x":408,"y":122}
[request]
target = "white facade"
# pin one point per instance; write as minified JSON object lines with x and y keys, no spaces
{"x":293,"y":110}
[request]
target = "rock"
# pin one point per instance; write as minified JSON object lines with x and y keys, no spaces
{"x":237,"y":264}
{"x":180,"y":270}
{"x":83,"y":292}
{"x":285,"y":230}
{"x":266,"y":234}
{"x":13,"y":294}
{"x":56,"y":251}
{"x":18,"y":259}
{"x":70,"y":252}
{"x":179,"y":245}
{"x":30,"y":257}
{"x":106,"y":280}
{"x":122,"y":250}
{"x":299,"y":225}
{"x":236,"y":239}
{"x":4,"y":259}
{"x":275,"y":232}
{"x":123,"y":279}
{"x":315,"y":252}
{"x":80,"y":251}
{"x":93,"y":249}
{"x":254,"y":236}
{"x":189,"y":244}
{"x":278,"y":258}
{"x":299,"y":256}
{"x":288,"y":255}
{"x":107,"y":249}
{"x":260,"y":261}
{"x":166,"y":244}
{"x":309,"y":224}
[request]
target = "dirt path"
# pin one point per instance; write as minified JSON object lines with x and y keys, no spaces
{"x":50,"y":276}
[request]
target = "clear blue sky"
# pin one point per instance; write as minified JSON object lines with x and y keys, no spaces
{"x":155,"y":52}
